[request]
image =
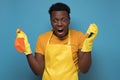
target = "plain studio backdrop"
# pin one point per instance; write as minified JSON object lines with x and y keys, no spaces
{"x":33,"y":18}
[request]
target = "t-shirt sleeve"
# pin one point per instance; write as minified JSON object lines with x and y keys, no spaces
{"x":39,"y":46}
{"x":81,"y":38}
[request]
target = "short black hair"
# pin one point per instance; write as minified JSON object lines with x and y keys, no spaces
{"x":59,"y":7}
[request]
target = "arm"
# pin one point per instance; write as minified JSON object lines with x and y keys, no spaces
{"x":84,"y":54}
{"x":22,"y":45}
{"x":84,"y":61}
{"x":36,"y":63}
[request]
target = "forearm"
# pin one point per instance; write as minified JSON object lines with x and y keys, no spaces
{"x":84,"y":61}
{"x":22,"y":45}
{"x":84,"y":54}
{"x":36,"y":67}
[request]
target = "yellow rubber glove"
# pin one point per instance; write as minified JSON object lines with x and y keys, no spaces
{"x":90,"y":36}
{"x":21,"y":42}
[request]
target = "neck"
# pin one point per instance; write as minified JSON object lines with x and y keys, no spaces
{"x":62,"y":38}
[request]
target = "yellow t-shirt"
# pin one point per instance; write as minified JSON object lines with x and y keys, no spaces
{"x":76,"y":38}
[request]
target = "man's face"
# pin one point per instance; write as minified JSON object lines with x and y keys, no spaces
{"x":60,"y":23}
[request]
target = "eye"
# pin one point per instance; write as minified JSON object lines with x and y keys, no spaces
{"x":54,"y":20}
{"x":64,"y":20}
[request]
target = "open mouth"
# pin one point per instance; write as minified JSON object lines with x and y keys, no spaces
{"x":60,"y":31}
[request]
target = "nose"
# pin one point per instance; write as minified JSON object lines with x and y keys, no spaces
{"x":59,"y":23}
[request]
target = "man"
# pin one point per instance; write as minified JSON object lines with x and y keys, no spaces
{"x":61,"y":52}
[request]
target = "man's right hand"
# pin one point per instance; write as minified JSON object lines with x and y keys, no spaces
{"x":21,"y":42}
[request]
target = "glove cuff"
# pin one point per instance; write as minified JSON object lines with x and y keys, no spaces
{"x":87,"y":46}
{"x":28,"y":50}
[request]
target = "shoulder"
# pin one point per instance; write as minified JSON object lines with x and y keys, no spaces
{"x":77,"y":39}
{"x":76,"y":33}
{"x":44,"y":35}
{"x":77,"y":36}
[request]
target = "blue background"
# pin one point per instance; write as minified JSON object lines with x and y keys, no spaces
{"x":32,"y":16}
